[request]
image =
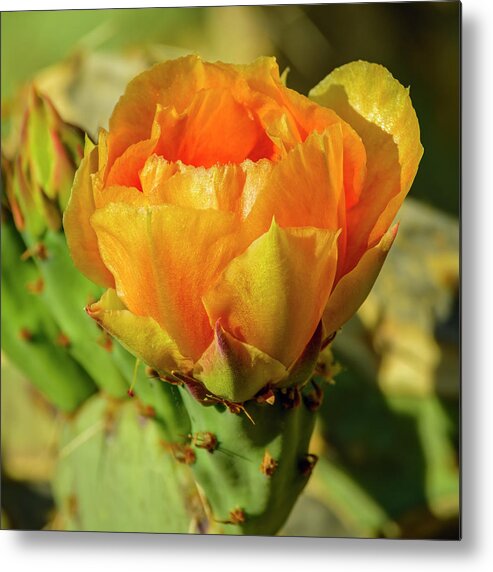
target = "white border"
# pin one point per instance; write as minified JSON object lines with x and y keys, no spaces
{"x":82,"y":551}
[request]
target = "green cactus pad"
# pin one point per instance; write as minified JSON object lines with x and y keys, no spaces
{"x":115,"y":474}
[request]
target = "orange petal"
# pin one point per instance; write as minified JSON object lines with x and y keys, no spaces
{"x":272,"y":296}
{"x":215,"y":128}
{"x":81,"y":238}
{"x":163,"y":259}
{"x":353,"y":288}
{"x":306,"y":187}
{"x":234,"y":370}
{"x":379,"y":108}
{"x":174,"y":83}
{"x":141,"y":336}
{"x":126,"y":169}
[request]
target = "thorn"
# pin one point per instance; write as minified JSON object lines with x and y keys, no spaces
{"x":148,"y":411}
{"x":205,"y":440}
{"x":184,"y":454}
{"x":25,"y":335}
{"x":130,"y":392}
{"x":35,"y":287}
{"x":237,"y":409}
{"x":63,"y":340}
{"x":266,"y":395}
{"x":236,"y":516}
{"x":307,"y":464}
{"x":170,"y":379}
{"x":39,"y":251}
{"x":268,"y":465}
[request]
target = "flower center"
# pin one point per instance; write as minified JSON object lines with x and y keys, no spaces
{"x":215,"y":129}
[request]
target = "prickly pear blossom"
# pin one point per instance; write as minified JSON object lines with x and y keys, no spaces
{"x":237,"y":223}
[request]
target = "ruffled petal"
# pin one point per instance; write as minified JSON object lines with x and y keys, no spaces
{"x":174,"y":83}
{"x":306,"y":188}
{"x":219,"y":187}
{"x":272,"y":296}
{"x":379,"y":108}
{"x":234,"y":370}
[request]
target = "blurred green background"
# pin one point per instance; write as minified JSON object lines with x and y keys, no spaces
{"x":389,"y":429}
{"x":417,"y":41}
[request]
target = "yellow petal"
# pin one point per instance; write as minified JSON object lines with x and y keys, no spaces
{"x":118,"y":194}
{"x":219,"y":187}
{"x":234,"y":370}
{"x":379,"y":108}
{"x":141,"y":336}
{"x":154,"y":175}
{"x":302,"y":370}
{"x":163,"y":259}
{"x":81,"y":238}
{"x":232,"y":188}
{"x":272,"y":296}
{"x":352,"y":290}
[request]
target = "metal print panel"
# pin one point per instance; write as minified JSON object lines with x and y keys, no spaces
{"x":230,"y":270}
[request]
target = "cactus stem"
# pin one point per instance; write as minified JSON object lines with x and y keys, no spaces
{"x":268,"y":465}
{"x":307,"y":464}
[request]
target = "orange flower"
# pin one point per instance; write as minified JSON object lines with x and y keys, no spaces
{"x":229,"y":216}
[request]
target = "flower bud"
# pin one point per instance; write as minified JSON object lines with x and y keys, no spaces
{"x":236,"y":223}
{"x":40,"y":175}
